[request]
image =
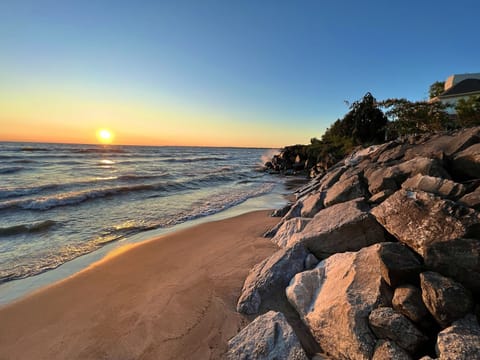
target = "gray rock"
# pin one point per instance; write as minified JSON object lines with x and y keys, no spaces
{"x":342,"y":227}
{"x":407,"y":299}
{"x":386,"y":323}
{"x":270,"y":275}
{"x":458,"y":259}
{"x":335,"y":299}
{"x":467,"y":162}
{"x":380,"y":196}
{"x":282,"y":212}
{"x":331,"y":177}
{"x":420,"y":219}
{"x":390,"y":178}
{"x":448,"y":144}
{"x":312,"y":204}
{"x":399,"y":264}
{"x":444,"y":298}
{"x":295,"y":211}
{"x":287,"y":229}
{"x":472,"y":199}
{"x":389,"y":350}
{"x":311,"y":261}
{"x":348,"y":189}
{"x":268,"y":337}
{"x":461,"y":341}
{"x":438,"y":186}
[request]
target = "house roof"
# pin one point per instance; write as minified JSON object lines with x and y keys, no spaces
{"x":463,"y":88}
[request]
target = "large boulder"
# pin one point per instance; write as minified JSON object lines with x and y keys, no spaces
{"x":335,"y":299}
{"x":312,"y":204}
{"x":472,"y":199}
{"x":435,"y":185}
{"x":348,"y":189}
{"x":407,"y":299}
{"x":389,"y":350}
{"x":398,"y":264}
{"x":343,"y":227}
{"x":446,"y":299}
{"x":391,"y":178}
{"x":458,"y":259}
{"x":270,"y":276}
{"x":466,"y":163}
{"x":420,"y":219}
{"x":386,"y":323}
{"x":268,"y":337}
{"x":461,"y":341}
{"x":287,"y":229}
{"x":448,"y":144}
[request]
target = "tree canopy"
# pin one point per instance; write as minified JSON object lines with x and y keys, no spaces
{"x":436,"y":89}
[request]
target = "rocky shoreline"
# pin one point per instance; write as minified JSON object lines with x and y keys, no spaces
{"x":379,"y":259}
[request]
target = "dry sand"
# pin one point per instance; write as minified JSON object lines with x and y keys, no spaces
{"x":170,"y":298}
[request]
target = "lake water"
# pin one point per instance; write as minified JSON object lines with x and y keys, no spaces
{"x":60,"y":201}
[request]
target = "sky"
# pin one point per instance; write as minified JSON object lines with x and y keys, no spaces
{"x":263,"y":73}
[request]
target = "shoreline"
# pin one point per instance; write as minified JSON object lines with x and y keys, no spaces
{"x":171,"y":297}
{"x":17,"y":289}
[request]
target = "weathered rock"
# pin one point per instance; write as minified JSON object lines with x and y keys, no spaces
{"x":461,"y":341}
{"x":472,"y":199}
{"x":438,"y":186}
{"x":380,"y":196}
{"x":398,"y":264}
{"x":466,"y":163}
{"x":389,"y":350}
{"x":407,"y":299}
{"x":272,"y":274}
{"x":312,"y":204}
{"x":458,"y":259}
{"x":342,"y":227}
{"x":270,"y":337}
{"x":294,"y":211}
{"x":446,"y":299}
{"x":420,"y":219}
{"x":386,"y":323}
{"x":335,"y":299}
{"x":348,"y":189}
{"x":331,"y":177}
{"x":310,"y":261}
{"x":390,"y":178}
{"x":449,"y":144}
{"x":287,"y":229}
{"x":282,"y":212}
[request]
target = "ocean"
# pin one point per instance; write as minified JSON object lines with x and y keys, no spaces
{"x":61,"y":201}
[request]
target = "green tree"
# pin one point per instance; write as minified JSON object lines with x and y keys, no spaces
{"x":365,"y":122}
{"x":408,"y":117}
{"x":468,"y":111}
{"x":436,"y":89}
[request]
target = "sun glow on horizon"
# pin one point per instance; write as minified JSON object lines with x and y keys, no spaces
{"x":105,"y":136}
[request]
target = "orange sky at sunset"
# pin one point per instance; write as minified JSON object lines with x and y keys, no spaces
{"x":64,"y":119}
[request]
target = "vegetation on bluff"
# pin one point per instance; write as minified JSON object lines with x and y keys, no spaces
{"x":371,"y":122}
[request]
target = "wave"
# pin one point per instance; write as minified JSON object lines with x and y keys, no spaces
{"x":33,"y":148}
{"x":77,"y":197}
{"x":11,"y":170}
{"x":24,"y":191}
{"x":102,"y":150}
{"x":195,"y":159}
{"x":27,"y":228}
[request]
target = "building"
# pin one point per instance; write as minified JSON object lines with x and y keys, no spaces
{"x":458,"y":86}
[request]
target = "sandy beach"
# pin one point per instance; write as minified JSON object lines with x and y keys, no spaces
{"x":169,"y":298}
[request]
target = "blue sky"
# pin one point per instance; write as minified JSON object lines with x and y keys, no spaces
{"x":257,"y":64}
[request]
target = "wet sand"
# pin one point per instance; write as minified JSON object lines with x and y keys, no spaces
{"x":169,"y":298}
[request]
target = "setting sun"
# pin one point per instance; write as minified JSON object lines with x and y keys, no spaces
{"x":104,"y":136}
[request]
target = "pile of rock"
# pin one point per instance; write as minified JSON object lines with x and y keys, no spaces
{"x":379,"y":258}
